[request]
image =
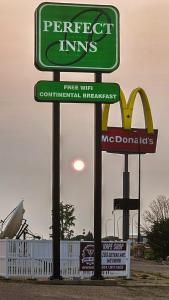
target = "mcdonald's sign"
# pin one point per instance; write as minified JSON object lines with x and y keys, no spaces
{"x":127,"y":139}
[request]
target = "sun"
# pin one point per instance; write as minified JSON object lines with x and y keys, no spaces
{"x":78,"y":165}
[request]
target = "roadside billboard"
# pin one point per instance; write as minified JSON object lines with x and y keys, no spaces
{"x":77,"y":37}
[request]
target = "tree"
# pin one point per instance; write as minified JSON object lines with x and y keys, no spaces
{"x":156,"y":227}
{"x":67,"y":219}
{"x":158,"y":238}
{"x":87,"y":237}
{"x":158,"y":210}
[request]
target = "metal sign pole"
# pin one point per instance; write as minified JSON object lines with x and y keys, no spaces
{"x":56,"y":187}
{"x":97,"y":187}
{"x":139,"y":189}
{"x":126,"y":192}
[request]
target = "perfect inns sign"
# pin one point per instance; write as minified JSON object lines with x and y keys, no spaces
{"x":77,"y":37}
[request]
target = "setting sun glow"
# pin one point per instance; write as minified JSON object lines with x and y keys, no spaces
{"x":78,"y":165}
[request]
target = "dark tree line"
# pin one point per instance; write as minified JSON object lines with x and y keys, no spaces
{"x":156,"y":227}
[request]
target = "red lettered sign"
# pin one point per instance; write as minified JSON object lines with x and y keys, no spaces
{"x":134,"y":141}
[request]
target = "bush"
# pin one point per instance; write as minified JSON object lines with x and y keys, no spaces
{"x":158,"y":238}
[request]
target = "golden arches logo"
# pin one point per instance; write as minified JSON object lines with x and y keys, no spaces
{"x":127,"y":110}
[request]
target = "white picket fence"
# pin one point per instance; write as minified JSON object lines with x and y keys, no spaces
{"x":33,"y":259}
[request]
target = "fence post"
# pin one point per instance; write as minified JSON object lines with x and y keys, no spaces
{"x":6,"y":256}
{"x":32,"y":258}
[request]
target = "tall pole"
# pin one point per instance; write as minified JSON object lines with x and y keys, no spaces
{"x":56,"y":187}
{"x":139,"y":190}
{"x":126,"y":192}
{"x":97,"y":186}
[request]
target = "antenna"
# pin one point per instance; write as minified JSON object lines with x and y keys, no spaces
{"x":12,"y":222}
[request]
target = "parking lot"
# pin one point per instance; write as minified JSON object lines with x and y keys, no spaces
{"x":30,"y":291}
{"x":149,"y":280}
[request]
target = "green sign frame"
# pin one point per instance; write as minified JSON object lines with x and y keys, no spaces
{"x":76,"y":37}
{"x":76,"y":92}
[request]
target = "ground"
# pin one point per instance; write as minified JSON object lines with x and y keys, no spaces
{"x":149,"y":280}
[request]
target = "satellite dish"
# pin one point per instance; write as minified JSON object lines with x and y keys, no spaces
{"x":13,"y":222}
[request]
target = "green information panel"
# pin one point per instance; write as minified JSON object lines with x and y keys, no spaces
{"x":74,"y":37}
{"x":77,"y":92}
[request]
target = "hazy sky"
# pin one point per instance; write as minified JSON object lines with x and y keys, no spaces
{"x":25,"y":125}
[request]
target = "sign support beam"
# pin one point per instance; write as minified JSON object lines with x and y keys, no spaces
{"x":97,"y":187}
{"x":139,"y":190}
{"x":126,"y":193}
{"x":56,"y":187}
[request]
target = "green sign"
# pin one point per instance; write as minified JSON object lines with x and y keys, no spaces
{"x":77,"y":92}
{"x":74,"y":37}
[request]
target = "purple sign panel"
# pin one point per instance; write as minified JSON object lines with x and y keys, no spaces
{"x":113,"y":256}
